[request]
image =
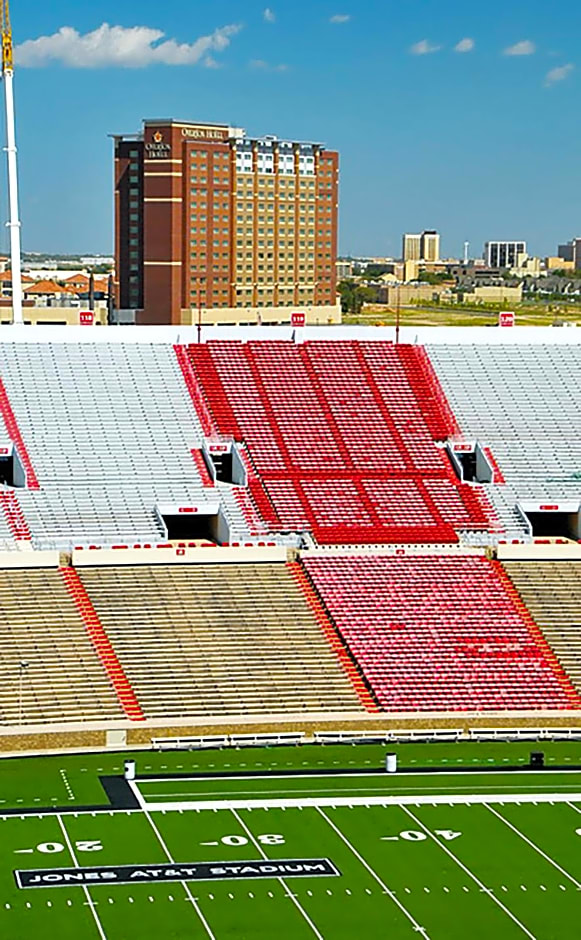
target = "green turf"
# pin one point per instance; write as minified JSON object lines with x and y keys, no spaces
{"x":446,"y":871}
{"x":30,"y":781}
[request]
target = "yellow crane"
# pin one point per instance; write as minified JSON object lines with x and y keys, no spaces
{"x":7,"y":54}
{"x":14,"y":220}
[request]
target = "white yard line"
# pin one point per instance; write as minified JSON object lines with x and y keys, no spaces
{"x":535,"y":847}
{"x":67,"y":785}
{"x":465,"y":799}
{"x":134,"y":787}
{"x":445,"y":772}
{"x":184,"y":884}
{"x":99,"y":811}
{"x":289,"y":893}
{"x":354,"y":792}
{"x":90,"y":902}
{"x":470,"y":874}
{"x":403,"y":909}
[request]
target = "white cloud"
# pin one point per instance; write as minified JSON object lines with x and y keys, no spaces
{"x":340,"y":18}
{"x":465,"y":45}
{"x":559,"y":74}
{"x":121,"y":47}
{"x":209,"y":62}
{"x":261,"y":64}
{"x":424,"y":47}
{"x":524,"y":47}
{"x":269,"y":15}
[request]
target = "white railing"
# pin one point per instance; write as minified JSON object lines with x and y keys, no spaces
{"x":227,"y":740}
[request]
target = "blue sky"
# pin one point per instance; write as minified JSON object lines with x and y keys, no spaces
{"x":481,"y":143}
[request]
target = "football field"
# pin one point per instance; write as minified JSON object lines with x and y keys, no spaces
{"x":334,"y":851}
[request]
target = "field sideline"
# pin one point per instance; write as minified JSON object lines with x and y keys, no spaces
{"x":210,"y":851}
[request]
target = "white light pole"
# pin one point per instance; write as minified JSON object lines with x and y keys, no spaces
{"x":14,"y":220}
{"x":22,"y":667}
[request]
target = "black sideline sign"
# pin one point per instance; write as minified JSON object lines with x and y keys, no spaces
{"x":196,"y":871}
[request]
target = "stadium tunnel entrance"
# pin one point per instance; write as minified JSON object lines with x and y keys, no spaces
{"x":470,"y":461}
{"x":201,"y":522}
{"x":224,"y":461}
{"x":11,"y":470}
{"x":553,"y":520}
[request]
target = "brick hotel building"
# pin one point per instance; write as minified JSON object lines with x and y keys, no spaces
{"x":209,"y":219}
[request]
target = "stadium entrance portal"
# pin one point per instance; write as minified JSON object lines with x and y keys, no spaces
{"x":470,"y":462}
{"x":223,"y":465}
{"x":553,"y":520}
{"x":11,"y":470}
{"x":201,"y":522}
{"x":224,"y":458}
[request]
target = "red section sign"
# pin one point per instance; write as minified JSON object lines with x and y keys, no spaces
{"x":86,"y":317}
{"x":298,"y":318}
{"x":549,"y":507}
{"x":463,"y":448}
{"x":506,"y":318}
{"x":187,"y":509}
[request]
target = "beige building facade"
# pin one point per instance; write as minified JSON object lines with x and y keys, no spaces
{"x":490,"y":294}
{"x":412,"y":248}
{"x":422,"y":247}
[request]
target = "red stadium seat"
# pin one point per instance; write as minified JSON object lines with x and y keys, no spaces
{"x":440,"y":632}
{"x":342,"y":438}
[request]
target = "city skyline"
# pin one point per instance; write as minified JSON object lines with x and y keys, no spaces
{"x":418,"y":110}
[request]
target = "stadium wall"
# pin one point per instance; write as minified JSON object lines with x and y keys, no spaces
{"x":45,"y":739}
{"x":167,"y":335}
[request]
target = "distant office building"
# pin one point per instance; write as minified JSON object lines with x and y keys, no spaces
{"x":344,"y":269}
{"x":412,"y":248}
{"x":207,"y":217}
{"x":494,"y":294}
{"x":557,"y":263}
{"x":430,"y":246}
{"x":503,"y":254}
{"x":422,"y":247}
{"x":571,"y":252}
{"x":566,"y":251}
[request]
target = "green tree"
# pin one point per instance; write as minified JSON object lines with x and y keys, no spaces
{"x":434,"y":277}
{"x":353,"y":296}
{"x":373,"y":271}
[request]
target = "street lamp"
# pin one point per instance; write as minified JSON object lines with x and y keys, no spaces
{"x":22,"y":667}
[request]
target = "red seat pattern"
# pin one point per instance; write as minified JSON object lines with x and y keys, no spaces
{"x":335,"y":640}
{"x":102,"y":645}
{"x":15,"y":519}
{"x":342,"y":436}
{"x":202,"y":468}
{"x":440,"y":632}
